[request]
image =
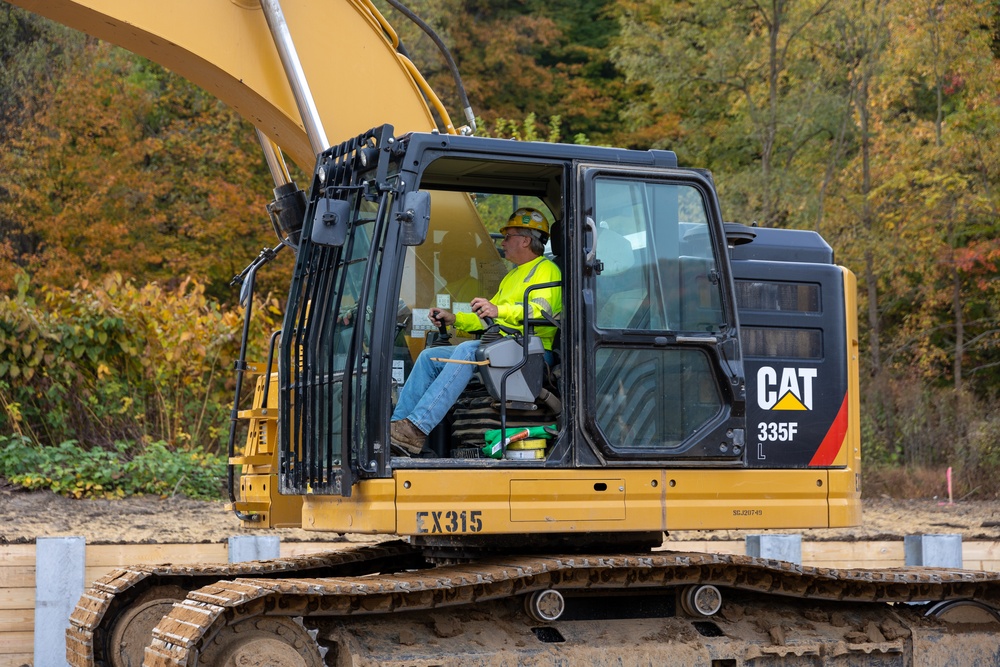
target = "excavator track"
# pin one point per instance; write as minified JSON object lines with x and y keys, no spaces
{"x":93,"y":621}
{"x":856,"y":616}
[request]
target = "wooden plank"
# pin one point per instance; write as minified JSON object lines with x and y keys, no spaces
{"x":117,"y":555}
{"x":981,"y":556}
{"x":17,"y":577}
{"x":18,"y":643}
{"x":17,"y":554}
{"x":702,"y":547}
{"x":17,"y":598}
{"x":289,"y":549}
{"x":16,"y":659}
{"x":864,"y":555}
{"x":17,"y":620}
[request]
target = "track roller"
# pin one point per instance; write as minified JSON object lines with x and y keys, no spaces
{"x":263,"y":641}
{"x":963,"y":611}
{"x":545,"y":606}
{"x":133,"y":629}
{"x":701,"y":601}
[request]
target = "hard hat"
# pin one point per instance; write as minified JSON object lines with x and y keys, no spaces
{"x":527,"y":218}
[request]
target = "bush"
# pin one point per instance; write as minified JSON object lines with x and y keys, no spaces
{"x":115,"y":362}
{"x":71,"y":470}
{"x":912,"y":432}
{"x":114,"y":389}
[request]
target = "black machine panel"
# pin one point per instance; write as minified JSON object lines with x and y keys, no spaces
{"x":794,"y":336}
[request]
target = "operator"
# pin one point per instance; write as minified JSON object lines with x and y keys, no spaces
{"x":434,"y":386}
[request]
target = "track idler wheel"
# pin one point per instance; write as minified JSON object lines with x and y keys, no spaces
{"x":545,"y":606}
{"x":701,"y":601}
{"x":963,"y":611}
{"x":263,"y":641}
{"x":133,"y":630}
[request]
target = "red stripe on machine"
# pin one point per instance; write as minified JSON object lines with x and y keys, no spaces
{"x":834,"y":440}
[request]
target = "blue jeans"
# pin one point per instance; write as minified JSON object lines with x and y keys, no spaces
{"x":434,"y":386}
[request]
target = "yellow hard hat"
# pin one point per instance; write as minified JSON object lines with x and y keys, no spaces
{"x":527,"y":218}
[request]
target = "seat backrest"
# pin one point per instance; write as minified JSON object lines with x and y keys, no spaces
{"x":620,"y":287}
{"x":557,"y":243}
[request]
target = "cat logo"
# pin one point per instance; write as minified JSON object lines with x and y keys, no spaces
{"x":794,"y":391}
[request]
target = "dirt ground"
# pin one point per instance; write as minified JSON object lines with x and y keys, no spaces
{"x":26,"y":515}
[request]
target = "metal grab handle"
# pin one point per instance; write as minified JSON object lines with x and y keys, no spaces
{"x":590,"y":254}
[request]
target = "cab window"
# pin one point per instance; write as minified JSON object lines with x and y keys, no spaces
{"x":656,"y":274}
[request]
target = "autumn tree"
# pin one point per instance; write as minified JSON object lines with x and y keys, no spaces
{"x":915,"y":192}
{"x":31,"y":50}
{"x":128,"y":168}
{"x":944,"y":51}
{"x":914,"y":211}
{"x":742,"y":81}
{"x":550,"y":59}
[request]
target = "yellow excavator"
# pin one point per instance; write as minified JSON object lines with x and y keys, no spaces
{"x":704,"y":375}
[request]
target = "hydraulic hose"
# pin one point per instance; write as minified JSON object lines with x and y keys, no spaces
{"x":470,"y":116}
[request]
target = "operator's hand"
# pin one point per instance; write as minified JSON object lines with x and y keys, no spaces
{"x":440,"y":316}
{"x":484,"y":307}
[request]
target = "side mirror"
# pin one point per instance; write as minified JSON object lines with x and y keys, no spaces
{"x":330,"y":222}
{"x":414,"y":217}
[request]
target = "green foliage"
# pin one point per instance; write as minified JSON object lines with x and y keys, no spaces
{"x":123,"y":470}
{"x":529,"y":129}
{"x":115,"y":362}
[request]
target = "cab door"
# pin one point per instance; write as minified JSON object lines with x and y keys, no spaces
{"x":336,"y":340}
{"x":664,"y":380}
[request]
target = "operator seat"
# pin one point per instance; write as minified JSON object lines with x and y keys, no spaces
{"x":477,"y":409}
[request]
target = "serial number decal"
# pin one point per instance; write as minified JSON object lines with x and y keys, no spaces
{"x":748,"y":512}
{"x":450,"y":521}
{"x":777,"y":431}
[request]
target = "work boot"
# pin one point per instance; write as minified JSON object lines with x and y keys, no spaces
{"x":407,"y":437}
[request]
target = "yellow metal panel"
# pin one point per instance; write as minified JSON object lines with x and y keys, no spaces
{"x":851,"y":453}
{"x":370,"y":509}
{"x":354,"y":74}
{"x":259,"y":495}
{"x":595,"y":499}
{"x":845,"y":484}
{"x":516,"y":502}
{"x":453,"y":502}
{"x":845,"y":498}
{"x":259,"y":460}
{"x":740,"y":499}
{"x":470,"y":501}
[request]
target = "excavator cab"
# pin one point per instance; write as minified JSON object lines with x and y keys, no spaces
{"x":647,"y":347}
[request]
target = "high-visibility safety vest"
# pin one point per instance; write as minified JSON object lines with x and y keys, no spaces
{"x":509,"y":299}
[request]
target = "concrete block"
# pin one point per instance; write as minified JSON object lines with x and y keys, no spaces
{"x":253,"y":547}
{"x":59,"y":582}
{"x":933,"y":550}
{"x":776,"y":547}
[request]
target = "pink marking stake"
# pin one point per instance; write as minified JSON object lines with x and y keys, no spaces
{"x":948,"y":478}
